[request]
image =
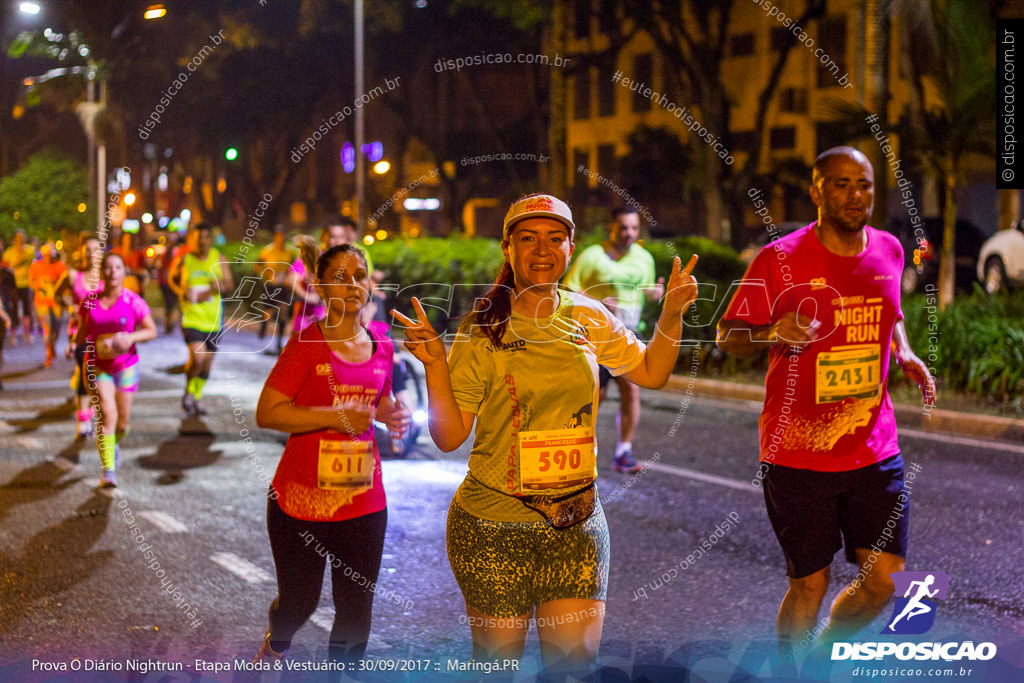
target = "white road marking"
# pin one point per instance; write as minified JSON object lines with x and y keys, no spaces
{"x":700,"y":476}
{"x":164,"y":521}
{"x":324,"y":618}
{"x":963,"y":441}
{"x":244,"y":569}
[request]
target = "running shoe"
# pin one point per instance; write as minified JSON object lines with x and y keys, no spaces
{"x":188,"y":404}
{"x":266,"y":654}
{"x":108,"y":480}
{"x":197,"y":408}
{"x":625,"y":463}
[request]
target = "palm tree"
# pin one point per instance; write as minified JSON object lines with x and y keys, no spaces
{"x":952,"y":72}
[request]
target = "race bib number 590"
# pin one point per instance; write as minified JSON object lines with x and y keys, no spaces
{"x":556,"y":458}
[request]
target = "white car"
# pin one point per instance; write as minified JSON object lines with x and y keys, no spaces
{"x":1001,"y":261}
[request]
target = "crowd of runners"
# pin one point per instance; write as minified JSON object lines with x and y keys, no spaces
{"x":526,"y":533}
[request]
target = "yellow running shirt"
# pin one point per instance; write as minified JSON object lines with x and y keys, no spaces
{"x":543,"y":378}
{"x":197,"y":275}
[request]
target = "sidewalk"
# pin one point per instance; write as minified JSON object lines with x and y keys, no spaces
{"x":907,"y":416}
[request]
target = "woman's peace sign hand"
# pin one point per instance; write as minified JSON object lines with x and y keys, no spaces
{"x":422,"y":340}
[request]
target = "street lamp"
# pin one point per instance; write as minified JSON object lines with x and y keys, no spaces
{"x":29,"y":8}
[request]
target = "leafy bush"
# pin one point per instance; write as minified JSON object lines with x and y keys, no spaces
{"x":976,"y":345}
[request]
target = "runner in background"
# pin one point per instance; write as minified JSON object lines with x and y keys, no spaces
{"x":112,"y":322}
{"x":273,"y":267}
{"x":620,"y":273}
{"x":173,"y":249}
{"x":46,"y":278}
{"x":84,"y":279}
{"x":200,"y":277}
{"x":18,"y":257}
{"x":326,"y":502}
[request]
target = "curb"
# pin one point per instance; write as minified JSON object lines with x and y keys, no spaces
{"x":910,"y":416}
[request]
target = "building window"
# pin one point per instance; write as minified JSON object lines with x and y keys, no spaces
{"x":643,"y":70}
{"x":607,"y":164}
{"x":782,"y":38}
{"x":793,"y":100}
{"x":782,"y":138}
{"x":741,"y":45}
{"x":744,"y":140}
{"x":581,"y":95}
{"x":606,"y":92}
{"x":607,"y":21}
{"x":832,"y":33}
{"x":829,"y":134}
{"x":669,"y":80}
{"x":581,"y":18}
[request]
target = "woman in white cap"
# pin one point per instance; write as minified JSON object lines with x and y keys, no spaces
{"x":527,"y":537}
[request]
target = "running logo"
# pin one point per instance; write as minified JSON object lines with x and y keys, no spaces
{"x":914,"y":613}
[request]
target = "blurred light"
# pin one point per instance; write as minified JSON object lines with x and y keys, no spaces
{"x":59,"y":245}
{"x":147,"y":218}
{"x":130,"y":225}
{"x":163,"y":221}
{"x":29,"y":8}
{"x":382,"y":234}
{"x":374,"y":151}
{"x":168,"y":152}
{"x":348,"y":157}
{"x":129,"y":199}
{"x":83,"y":51}
{"x":222,"y":185}
{"x":414,"y":232}
{"x":176,"y":224}
{"x":368,"y":240}
{"x":381,"y":167}
{"x":231,"y":154}
{"x":17,"y":112}
{"x":420,"y":4}
{"x":150,"y":252}
{"x":82,"y":207}
{"x":187,"y":187}
{"x":161,"y":182}
{"x":154,"y":12}
{"x":419,"y":416}
{"x":415,"y":204}
{"x":186,"y":215}
{"x":17,"y":215}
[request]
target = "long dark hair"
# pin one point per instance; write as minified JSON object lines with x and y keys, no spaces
{"x":493,"y":310}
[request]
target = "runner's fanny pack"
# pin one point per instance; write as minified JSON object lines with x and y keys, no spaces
{"x":565,"y":511}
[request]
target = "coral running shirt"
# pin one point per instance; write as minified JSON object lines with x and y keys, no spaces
{"x":312,"y":375}
{"x":827,"y":407}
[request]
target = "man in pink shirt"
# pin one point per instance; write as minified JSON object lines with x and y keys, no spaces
{"x":825,"y":301}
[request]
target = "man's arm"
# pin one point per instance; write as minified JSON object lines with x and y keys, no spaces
{"x":912,"y":366}
{"x":740,"y":338}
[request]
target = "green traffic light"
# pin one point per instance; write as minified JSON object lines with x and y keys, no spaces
{"x":231,"y":154}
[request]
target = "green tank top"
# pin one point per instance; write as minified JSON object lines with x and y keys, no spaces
{"x":204,"y":316}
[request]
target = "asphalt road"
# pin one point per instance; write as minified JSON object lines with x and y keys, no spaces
{"x":73,"y":583}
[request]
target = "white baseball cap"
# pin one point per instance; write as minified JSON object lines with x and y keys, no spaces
{"x":538,"y":206}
